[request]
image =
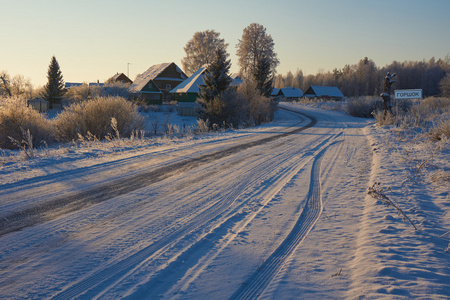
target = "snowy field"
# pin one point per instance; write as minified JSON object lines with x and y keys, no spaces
{"x":279,"y":211}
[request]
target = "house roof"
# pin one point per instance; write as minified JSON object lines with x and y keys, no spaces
{"x":324,"y":91}
{"x":121,"y":77}
{"x":152,"y":73}
{"x":290,"y":92}
{"x":236,"y":80}
{"x":275,"y":92}
{"x":71,"y":84}
{"x":191,"y":85}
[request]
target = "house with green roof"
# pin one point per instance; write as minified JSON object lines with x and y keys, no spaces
{"x":188,"y":90}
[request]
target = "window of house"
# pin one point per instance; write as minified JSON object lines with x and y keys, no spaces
{"x":168,"y":86}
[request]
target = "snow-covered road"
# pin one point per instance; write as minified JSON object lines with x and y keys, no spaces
{"x":212,"y":219}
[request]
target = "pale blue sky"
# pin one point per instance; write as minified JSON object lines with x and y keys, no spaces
{"x":94,"y":39}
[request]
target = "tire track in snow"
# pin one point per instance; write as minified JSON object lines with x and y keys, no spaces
{"x":100,"y":193}
{"x":100,"y":279}
{"x":260,"y":280}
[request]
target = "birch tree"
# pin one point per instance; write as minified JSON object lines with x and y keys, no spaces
{"x":255,"y":45}
{"x":201,"y":49}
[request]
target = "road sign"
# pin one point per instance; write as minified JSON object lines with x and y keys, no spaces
{"x":408,"y":94}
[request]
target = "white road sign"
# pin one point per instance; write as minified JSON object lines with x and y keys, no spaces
{"x":408,"y":94}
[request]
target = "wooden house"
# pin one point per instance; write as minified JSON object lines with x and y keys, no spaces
{"x":331,"y":92}
{"x":120,"y":77}
{"x":189,"y":89}
{"x":154,"y":85}
{"x":38,"y":104}
{"x":275,"y":92}
{"x":290,"y":93}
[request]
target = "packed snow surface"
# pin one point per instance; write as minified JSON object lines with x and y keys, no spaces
{"x":280,"y":211}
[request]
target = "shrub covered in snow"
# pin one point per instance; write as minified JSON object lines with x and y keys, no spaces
{"x":430,"y":116}
{"x":16,"y":119}
{"x":363,"y":107}
{"x":93,"y":117}
{"x":242,"y":107}
{"x":261,"y":109}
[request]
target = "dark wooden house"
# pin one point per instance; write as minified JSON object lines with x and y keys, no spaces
{"x":290,"y":93}
{"x":154,"y":85}
{"x":120,"y":77}
{"x":330,"y":92}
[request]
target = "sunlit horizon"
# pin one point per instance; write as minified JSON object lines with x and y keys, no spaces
{"x":93,"y":40}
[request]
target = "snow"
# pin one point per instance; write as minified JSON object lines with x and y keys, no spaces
{"x":191,"y":84}
{"x":212,"y":213}
{"x":290,"y":92}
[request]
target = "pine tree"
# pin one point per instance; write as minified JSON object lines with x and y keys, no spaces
{"x":217,"y":82}
{"x":216,"y":77}
{"x":262,"y":75}
{"x":55,"y":87}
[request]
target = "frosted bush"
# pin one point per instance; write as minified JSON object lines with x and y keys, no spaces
{"x":94,"y":117}
{"x":440,"y":129}
{"x":363,"y":107}
{"x":384,"y":119}
{"x":16,"y":118}
{"x":85,"y":92}
{"x":116,"y":89}
{"x":202,"y":126}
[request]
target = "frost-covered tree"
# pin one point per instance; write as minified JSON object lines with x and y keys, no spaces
{"x":55,"y":87}
{"x":217,"y":82}
{"x":15,"y":86}
{"x":289,"y":80}
{"x":255,"y":45}
{"x":200,"y":50}
{"x":444,"y":86}
{"x":298,"y":79}
{"x":262,"y":75}
{"x":5,"y":84}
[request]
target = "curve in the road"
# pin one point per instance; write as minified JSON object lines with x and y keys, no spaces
{"x":119,"y":269}
{"x":67,"y":204}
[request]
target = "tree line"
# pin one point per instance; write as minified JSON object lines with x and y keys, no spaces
{"x":366,"y":79}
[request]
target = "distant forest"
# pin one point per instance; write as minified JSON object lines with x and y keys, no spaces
{"x":366,"y":79}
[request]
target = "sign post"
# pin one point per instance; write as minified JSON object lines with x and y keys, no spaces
{"x":408,"y":94}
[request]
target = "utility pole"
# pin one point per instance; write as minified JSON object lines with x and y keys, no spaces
{"x":128,"y":70}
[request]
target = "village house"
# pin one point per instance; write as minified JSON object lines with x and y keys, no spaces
{"x":188,"y":90}
{"x":154,"y":85}
{"x":290,"y":93}
{"x":120,"y":77}
{"x":331,"y":92}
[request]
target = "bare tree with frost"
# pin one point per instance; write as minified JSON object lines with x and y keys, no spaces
{"x":255,"y":45}
{"x":201,"y":49}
